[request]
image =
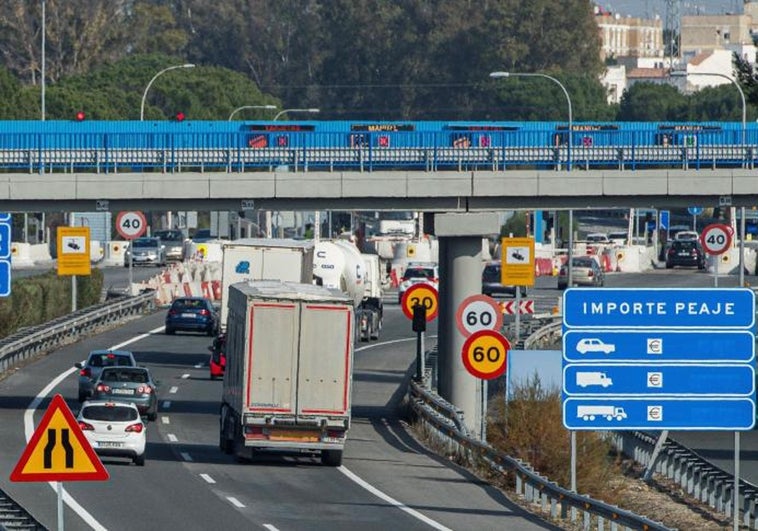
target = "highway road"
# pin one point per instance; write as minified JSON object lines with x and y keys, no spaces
{"x":388,"y":481}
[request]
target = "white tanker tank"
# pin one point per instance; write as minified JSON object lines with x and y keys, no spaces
{"x":339,"y":264}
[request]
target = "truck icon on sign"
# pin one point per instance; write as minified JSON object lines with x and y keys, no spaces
{"x":592,"y":344}
{"x":592,"y":412}
{"x":583,"y":379}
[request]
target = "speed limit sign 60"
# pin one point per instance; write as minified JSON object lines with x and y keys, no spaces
{"x":716,"y":238}
{"x":131,"y":225}
{"x":478,"y":312}
{"x":485,"y":354}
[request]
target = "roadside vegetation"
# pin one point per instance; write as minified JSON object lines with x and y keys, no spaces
{"x":42,"y":298}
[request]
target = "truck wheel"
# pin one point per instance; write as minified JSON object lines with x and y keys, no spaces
{"x":331,"y":457}
{"x":224,"y":443}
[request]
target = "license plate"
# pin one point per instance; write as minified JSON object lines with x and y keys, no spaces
{"x":188,"y":315}
{"x":108,"y":444}
{"x":289,"y":435}
{"x":122,"y":391}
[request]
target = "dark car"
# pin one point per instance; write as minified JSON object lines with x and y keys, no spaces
{"x":685,"y":253}
{"x":128,"y":384}
{"x":192,"y":314}
{"x":491,"y":277}
{"x":217,"y":362}
{"x":90,"y":370}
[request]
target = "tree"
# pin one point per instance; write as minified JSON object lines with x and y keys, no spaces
{"x":651,"y":102}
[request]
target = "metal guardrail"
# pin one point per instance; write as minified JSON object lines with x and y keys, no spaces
{"x":31,"y":341}
{"x":441,"y":421}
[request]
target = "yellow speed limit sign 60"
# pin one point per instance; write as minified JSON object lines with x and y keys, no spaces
{"x":485,"y":354}
{"x":420,"y":294}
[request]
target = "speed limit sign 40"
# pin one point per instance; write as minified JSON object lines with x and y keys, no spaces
{"x":478,"y":312}
{"x":485,"y":354}
{"x":131,"y":225}
{"x":716,"y":238}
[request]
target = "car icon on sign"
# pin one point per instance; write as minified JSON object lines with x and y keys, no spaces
{"x":591,"y":344}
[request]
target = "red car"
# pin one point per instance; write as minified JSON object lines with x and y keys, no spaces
{"x":218,"y":357}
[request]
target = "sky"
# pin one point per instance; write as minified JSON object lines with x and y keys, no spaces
{"x":649,"y":8}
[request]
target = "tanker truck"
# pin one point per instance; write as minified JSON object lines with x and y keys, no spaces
{"x":339,"y":264}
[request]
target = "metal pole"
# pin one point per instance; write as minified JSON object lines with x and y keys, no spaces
{"x":73,"y":277}
{"x":518,"y":313}
{"x":716,"y":271}
{"x":736,"y":493}
{"x":742,"y":247}
{"x":59,"y":491}
{"x":573,"y":469}
{"x":569,"y":268}
{"x":419,"y":358}
{"x":131,"y":259}
{"x":423,"y":360}
{"x":484,"y":410}
{"x":147,"y":88}
{"x":42,"y":74}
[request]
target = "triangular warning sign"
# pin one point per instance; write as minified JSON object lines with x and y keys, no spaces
{"x":58,"y":450}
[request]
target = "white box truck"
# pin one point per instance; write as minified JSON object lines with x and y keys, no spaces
{"x":264,"y":258}
{"x":289,"y":366}
{"x":371,"y":312}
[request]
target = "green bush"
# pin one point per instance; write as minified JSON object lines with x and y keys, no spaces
{"x":41,"y":298}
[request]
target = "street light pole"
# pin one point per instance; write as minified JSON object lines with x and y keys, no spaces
{"x":280,"y":113}
{"x":147,"y":88}
{"x":42,"y":79}
{"x":498,"y":75}
{"x":238,"y":109}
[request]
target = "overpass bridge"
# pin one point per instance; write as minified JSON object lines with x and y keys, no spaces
{"x":425,"y":166}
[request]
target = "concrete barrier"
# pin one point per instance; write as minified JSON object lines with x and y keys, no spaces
{"x":115,"y":252}
{"x":21,"y":255}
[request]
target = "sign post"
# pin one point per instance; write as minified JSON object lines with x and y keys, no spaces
{"x":716,"y":239}
{"x":420,"y":304}
{"x":131,"y":225}
{"x":695,"y":212}
{"x":73,"y":255}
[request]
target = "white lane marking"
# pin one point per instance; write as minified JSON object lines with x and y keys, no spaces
{"x":392,"y":501}
{"x":166,"y":404}
{"x":207,"y":478}
{"x":29,"y":431}
{"x":234,"y":501}
{"x":173,"y":390}
{"x":271,"y":527}
{"x":186,"y":456}
{"x":171,"y":437}
{"x":185,"y":376}
{"x":198,"y":365}
{"x":165,"y":420}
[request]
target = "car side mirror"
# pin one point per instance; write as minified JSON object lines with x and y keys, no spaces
{"x":79,"y":365}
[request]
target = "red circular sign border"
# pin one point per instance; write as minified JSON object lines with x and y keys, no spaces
{"x":470,"y":368}
{"x":138,"y":214}
{"x":429,"y":316}
{"x":476,"y":298}
{"x":722,"y":227}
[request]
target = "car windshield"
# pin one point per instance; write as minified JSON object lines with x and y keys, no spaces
{"x":188,"y":304}
{"x":418,"y":272}
{"x":110,"y":413}
{"x":110,"y":360}
{"x":491,"y":273}
{"x":582,"y":262}
{"x":685,"y":245}
{"x":144,"y":242}
{"x":169,"y":235}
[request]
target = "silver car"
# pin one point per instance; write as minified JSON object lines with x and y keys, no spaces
{"x":90,"y":370}
{"x":173,"y":242}
{"x":146,"y":251}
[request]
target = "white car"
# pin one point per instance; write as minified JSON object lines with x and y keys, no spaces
{"x":418,"y":273}
{"x":597,"y":237}
{"x":114,"y":429}
{"x":594,"y":345}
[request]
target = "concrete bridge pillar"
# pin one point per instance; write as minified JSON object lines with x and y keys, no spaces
{"x":460,"y":262}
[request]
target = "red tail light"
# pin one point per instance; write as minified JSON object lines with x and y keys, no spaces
{"x":85,"y":426}
{"x":590,"y":273}
{"x":671,"y":251}
{"x":136,"y":428}
{"x":103,"y":388}
{"x":144,"y":389}
{"x":85,"y":372}
{"x":205,"y":313}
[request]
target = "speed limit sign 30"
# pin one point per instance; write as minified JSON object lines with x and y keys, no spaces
{"x":131,"y":225}
{"x":716,"y":238}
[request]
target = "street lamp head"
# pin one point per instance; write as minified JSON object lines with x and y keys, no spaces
{"x":499,"y":74}
{"x":188,"y":65}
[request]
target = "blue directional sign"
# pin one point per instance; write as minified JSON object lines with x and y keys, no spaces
{"x":659,"y":359}
{"x":663,"y":219}
{"x":5,"y":278}
{"x":5,"y":217}
{"x":661,"y":308}
{"x":5,"y":241}
{"x":690,"y":346}
{"x":706,"y":414}
{"x":643,"y":380}
{"x":695,"y":211}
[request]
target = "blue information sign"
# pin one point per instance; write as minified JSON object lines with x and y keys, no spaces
{"x":656,"y":346}
{"x":663,"y":219}
{"x":659,"y":359}
{"x":5,"y":217}
{"x":654,"y":413}
{"x":695,"y":211}
{"x":5,"y":241}
{"x":5,"y":278}
{"x":643,"y":380}
{"x":661,"y":308}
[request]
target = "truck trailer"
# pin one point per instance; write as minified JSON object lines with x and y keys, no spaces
{"x":264,"y":258}
{"x":289,"y":366}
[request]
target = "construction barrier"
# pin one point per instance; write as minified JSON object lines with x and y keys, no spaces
{"x":21,"y":255}
{"x":543,"y":267}
{"x":115,"y":252}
